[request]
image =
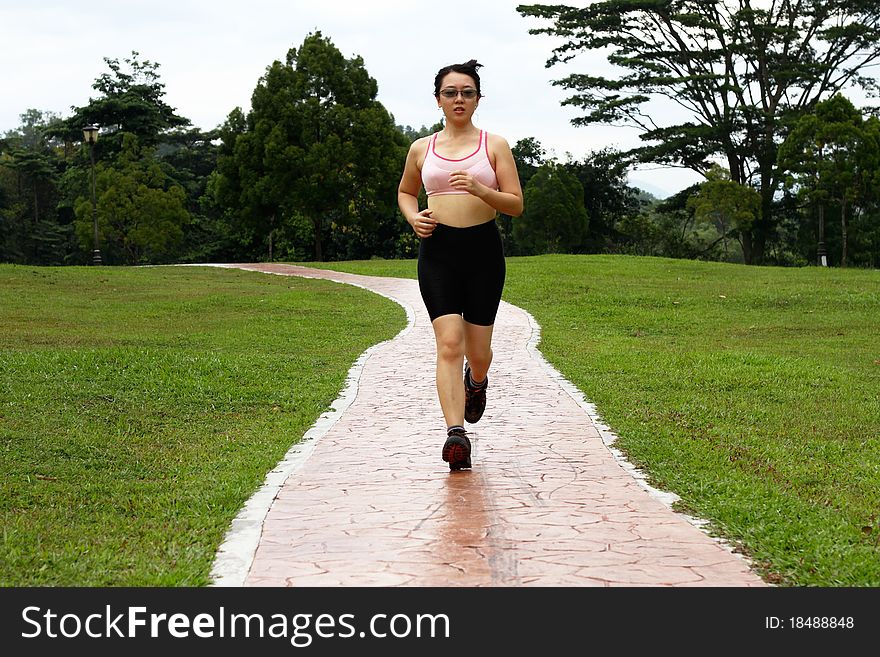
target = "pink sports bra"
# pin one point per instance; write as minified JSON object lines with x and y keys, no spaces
{"x":436,"y":168}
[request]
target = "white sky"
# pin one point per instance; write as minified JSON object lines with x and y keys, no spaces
{"x":212,"y":54}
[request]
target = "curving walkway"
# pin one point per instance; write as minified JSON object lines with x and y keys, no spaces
{"x":365,"y":500}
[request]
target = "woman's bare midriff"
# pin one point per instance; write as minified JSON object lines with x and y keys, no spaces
{"x":460,"y":210}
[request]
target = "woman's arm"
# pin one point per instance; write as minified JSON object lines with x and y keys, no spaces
{"x":408,"y":192}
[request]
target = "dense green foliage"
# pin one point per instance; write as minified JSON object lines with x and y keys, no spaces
{"x":310,"y":170}
{"x":140,"y":212}
{"x":730,"y":207}
{"x":833,"y":160}
{"x":316,"y":153}
{"x":740,"y":74}
{"x":555,"y":219}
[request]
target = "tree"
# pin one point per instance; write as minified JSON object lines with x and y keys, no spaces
{"x":730,"y":207}
{"x":140,"y":213}
{"x":31,"y":134}
{"x":607,"y":195}
{"x":528,"y":155}
{"x":189,"y":158}
{"x":866,"y":220}
{"x":832,"y":159}
{"x":412,"y":134}
{"x":29,"y":230}
{"x":554,"y":219}
{"x":130,"y":106}
{"x":740,"y":72}
{"x":225,"y":194}
{"x":131,"y":101}
{"x":665,"y":228}
{"x":316,"y":144}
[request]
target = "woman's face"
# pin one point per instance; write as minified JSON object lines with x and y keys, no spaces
{"x":458,"y":108}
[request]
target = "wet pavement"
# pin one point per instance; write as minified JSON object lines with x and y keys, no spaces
{"x":365,"y":499}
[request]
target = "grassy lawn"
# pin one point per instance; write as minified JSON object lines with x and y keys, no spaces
{"x":752,"y":393}
{"x":140,"y":408}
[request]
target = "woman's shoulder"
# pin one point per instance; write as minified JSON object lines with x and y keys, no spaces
{"x":420,"y":145}
{"x":418,"y":151}
{"x":496,"y":142}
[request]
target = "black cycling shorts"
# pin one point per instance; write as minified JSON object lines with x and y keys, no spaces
{"x":461,"y":272}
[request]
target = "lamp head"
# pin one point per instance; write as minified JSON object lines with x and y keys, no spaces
{"x":90,"y":133}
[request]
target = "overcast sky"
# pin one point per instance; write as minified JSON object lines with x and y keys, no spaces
{"x":212,"y":54}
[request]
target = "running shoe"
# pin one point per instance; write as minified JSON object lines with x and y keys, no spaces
{"x":474,"y":398}
{"x":457,"y":450}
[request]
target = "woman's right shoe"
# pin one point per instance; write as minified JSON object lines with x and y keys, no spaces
{"x":457,"y":450}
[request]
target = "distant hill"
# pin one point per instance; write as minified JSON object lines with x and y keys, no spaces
{"x":648,"y":188}
{"x":646,"y":197}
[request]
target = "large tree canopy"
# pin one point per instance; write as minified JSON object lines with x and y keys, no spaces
{"x":316,"y":144}
{"x":140,"y":211}
{"x":29,"y":172}
{"x":131,"y":101}
{"x":832,"y":159}
{"x":740,"y":69}
{"x":555,"y":219}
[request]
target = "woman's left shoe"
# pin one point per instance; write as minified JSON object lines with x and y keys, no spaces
{"x":474,"y":397}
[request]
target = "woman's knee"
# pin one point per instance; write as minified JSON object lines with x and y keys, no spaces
{"x":480,"y":359}
{"x":450,"y":348}
{"x":478,"y":343}
{"x":450,"y":343}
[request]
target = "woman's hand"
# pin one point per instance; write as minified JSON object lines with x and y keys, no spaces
{"x":463,"y":181}
{"x":422,"y":224}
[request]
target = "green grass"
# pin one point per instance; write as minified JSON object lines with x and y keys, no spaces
{"x":752,"y":393}
{"x":140,"y":408}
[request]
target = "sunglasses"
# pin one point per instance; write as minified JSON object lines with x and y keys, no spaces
{"x":468,"y":94}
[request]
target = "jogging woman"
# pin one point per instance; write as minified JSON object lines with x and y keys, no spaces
{"x":469,"y":176}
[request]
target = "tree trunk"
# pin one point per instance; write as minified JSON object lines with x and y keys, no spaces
{"x":319,"y":255}
{"x":761,"y":227}
{"x":843,"y":233}
{"x":820,"y":250}
{"x":754,"y":240}
{"x":746,"y":241}
{"x":724,"y":238}
{"x":271,"y":236}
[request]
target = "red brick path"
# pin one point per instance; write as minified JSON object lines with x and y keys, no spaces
{"x":370,"y":502}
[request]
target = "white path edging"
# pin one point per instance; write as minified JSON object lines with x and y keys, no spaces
{"x":236,"y":554}
{"x":608,"y":436}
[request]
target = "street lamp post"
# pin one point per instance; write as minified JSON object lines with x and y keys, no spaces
{"x":90,"y":132}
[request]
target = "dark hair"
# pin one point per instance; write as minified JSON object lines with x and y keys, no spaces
{"x":468,"y":68}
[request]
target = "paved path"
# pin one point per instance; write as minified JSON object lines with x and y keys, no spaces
{"x":365,"y":499}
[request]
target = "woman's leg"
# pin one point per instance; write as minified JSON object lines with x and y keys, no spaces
{"x":478,"y":349}
{"x":449,"y":333}
{"x":482,"y":296}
